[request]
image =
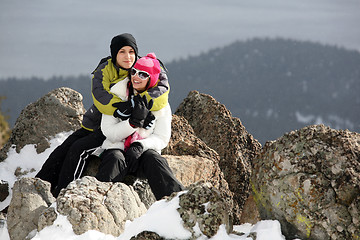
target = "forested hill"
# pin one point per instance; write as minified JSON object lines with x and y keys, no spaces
{"x":20,"y":92}
{"x":272,"y":85}
{"x":275,"y":86}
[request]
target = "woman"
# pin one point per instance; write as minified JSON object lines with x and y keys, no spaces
{"x":133,"y":145}
{"x":63,"y":164}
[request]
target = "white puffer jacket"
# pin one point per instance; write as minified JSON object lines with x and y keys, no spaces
{"x":116,"y":131}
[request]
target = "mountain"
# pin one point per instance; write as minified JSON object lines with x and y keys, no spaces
{"x":276,"y":86}
{"x":273,"y":85}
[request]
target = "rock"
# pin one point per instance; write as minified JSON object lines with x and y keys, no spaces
{"x":202,"y":205}
{"x":142,"y":188}
{"x":189,"y":170}
{"x":309,"y":180}
{"x":250,"y":213}
{"x":183,"y":141}
{"x":58,"y":111}
{"x":147,"y":235}
{"x":87,"y":203}
{"x":47,"y":218}
{"x":214,"y":124}
{"x":103,"y":206}
{"x":31,"y":196}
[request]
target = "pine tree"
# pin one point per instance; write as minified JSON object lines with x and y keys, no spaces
{"x":4,"y":127}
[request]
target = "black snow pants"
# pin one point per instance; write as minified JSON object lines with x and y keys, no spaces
{"x":50,"y":170}
{"x":62,"y":163}
{"x":152,"y":166}
{"x":75,"y":160}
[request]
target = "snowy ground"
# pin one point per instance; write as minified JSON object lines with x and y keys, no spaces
{"x":160,"y":214}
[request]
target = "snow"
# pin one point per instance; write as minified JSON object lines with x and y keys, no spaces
{"x":29,"y":161}
{"x":162,"y":217}
{"x":330,"y":120}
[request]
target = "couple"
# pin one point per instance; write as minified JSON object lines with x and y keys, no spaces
{"x":130,"y":120}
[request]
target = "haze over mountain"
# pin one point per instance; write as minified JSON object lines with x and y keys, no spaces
{"x":272,"y":85}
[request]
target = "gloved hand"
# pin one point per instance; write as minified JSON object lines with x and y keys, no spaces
{"x":149,"y":121}
{"x":124,"y":109}
{"x":132,"y":156}
{"x":140,"y":111}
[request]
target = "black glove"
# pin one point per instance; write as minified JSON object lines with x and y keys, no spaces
{"x":140,"y":111}
{"x":149,"y":121}
{"x":123,"y":109}
{"x":132,"y":156}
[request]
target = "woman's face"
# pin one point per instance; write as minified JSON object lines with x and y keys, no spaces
{"x":125,"y":57}
{"x":139,"y":83}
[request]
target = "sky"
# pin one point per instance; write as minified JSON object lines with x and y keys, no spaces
{"x":161,"y":213}
{"x":46,"y":38}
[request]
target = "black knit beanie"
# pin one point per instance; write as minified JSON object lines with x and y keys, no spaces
{"x":119,"y":41}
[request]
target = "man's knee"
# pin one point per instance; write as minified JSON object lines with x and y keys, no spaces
{"x":112,"y":154}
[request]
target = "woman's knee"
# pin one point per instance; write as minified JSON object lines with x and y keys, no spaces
{"x":151,"y":161}
{"x":151,"y":157}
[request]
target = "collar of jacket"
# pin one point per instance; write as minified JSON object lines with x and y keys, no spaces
{"x":122,"y":72}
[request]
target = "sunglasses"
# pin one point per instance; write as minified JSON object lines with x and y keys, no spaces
{"x":142,"y":75}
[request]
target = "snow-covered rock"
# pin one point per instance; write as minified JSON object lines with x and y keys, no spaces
{"x":58,"y":111}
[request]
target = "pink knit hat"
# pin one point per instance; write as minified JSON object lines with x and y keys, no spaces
{"x":151,"y":65}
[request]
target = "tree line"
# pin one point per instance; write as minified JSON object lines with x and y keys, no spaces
{"x":272,"y":85}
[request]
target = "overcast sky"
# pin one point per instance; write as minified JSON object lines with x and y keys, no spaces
{"x":68,"y":37}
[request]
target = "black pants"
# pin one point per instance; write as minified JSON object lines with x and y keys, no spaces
{"x":152,"y":166}
{"x":60,"y":168}
{"x":51,"y":168}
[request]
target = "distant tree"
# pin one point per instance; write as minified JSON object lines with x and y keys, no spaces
{"x":4,"y":127}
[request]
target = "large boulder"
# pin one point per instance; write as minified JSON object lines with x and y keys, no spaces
{"x":31,"y":197}
{"x":58,"y":111}
{"x":309,"y":180}
{"x":183,"y":141}
{"x":103,"y":206}
{"x":87,"y":203}
{"x":219,"y":130}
